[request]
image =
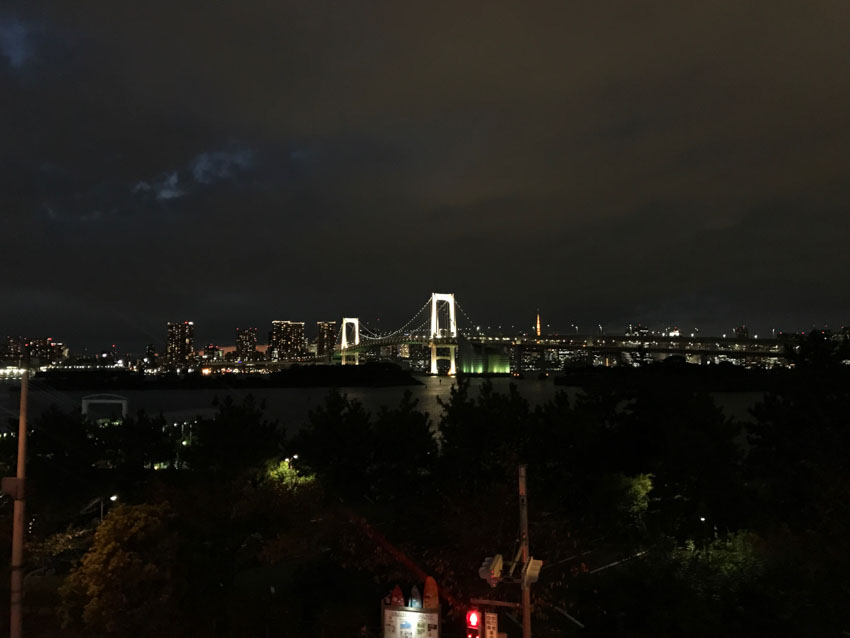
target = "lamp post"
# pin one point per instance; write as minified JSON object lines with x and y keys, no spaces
{"x":112,"y":498}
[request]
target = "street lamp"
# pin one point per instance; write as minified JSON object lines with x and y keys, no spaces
{"x":112,"y":498}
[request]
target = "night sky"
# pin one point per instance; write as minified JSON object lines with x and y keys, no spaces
{"x":671,"y":163}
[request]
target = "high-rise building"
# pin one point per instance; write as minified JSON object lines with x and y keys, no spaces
{"x":325,"y":339}
{"x":60,"y":352}
{"x":151,"y":358}
{"x":246,"y":344}
{"x":39,"y":349}
{"x":180,"y":347}
{"x":286,"y":340}
{"x":14,"y":349}
{"x":212,"y":352}
{"x":44,"y":351}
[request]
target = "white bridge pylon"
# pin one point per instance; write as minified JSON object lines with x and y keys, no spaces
{"x":437,"y":332}
{"x":350,"y":321}
{"x":449,"y":298}
{"x":344,"y":344}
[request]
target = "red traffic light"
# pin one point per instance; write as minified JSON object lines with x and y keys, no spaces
{"x":473,"y":619}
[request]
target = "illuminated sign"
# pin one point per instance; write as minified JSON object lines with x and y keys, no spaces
{"x":491,"y":625}
{"x":410,"y":622}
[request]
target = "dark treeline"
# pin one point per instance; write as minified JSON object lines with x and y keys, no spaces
{"x":722,"y":530}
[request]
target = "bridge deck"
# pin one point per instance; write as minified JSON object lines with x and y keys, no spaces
{"x":709,"y":346}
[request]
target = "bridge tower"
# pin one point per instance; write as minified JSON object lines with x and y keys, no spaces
{"x":439,"y":333}
{"x":345,"y":344}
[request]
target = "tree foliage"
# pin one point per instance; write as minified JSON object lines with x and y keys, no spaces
{"x":699,"y":525}
{"x":128,"y":582}
{"x":236,"y":438}
{"x":356,"y":454}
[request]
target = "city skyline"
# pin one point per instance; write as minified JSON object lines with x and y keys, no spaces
{"x":318,"y":334}
{"x":656,"y":164}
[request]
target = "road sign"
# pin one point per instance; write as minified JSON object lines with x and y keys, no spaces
{"x":410,"y":622}
{"x":491,"y":625}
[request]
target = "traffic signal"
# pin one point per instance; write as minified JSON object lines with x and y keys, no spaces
{"x":473,"y":623}
{"x":491,"y":569}
{"x":531,"y":571}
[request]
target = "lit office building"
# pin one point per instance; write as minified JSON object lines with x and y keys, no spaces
{"x":39,"y":349}
{"x":59,"y":352}
{"x":180,"y":345}
{"x":286,"y":340}
{"x":325,"y":339}
{"x":14,"y":348}
{"x":246,"y":344}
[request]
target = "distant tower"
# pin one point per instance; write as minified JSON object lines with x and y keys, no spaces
{"x":181,"y":342}
{"x":246,"y":344}
{"x":287,"y":340}
{"x":538,"y":322}
{"x":325,"y":340}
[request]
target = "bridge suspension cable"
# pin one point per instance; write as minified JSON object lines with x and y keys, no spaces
{"x":422,"y":327}
{"x":367,"y":333}
{"x":401,"y":330}
{"x":472,"y":324}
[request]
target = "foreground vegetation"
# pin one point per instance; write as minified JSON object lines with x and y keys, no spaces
{"x":715,"y":529}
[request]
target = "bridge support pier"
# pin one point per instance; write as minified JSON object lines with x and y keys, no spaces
{"x":451,"y":357}
{"x":352,"y":359}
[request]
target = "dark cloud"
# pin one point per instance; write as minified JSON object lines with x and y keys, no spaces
{"x":215,"y":166}
{"x":238,"y":162}
{"x":14,"y":43}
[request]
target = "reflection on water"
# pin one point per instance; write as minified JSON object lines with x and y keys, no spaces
{"x":291,"y":405}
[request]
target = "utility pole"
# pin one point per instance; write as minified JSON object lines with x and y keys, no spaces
{"x":17,"y":486}
{"x":492,"y":568}
{"x":523,"y":527}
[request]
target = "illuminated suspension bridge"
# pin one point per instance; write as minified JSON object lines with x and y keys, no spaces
{"x":434,"y":325}
{"x":435,"y":328}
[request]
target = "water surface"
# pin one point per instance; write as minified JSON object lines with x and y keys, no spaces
{"x":291,"y":406}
